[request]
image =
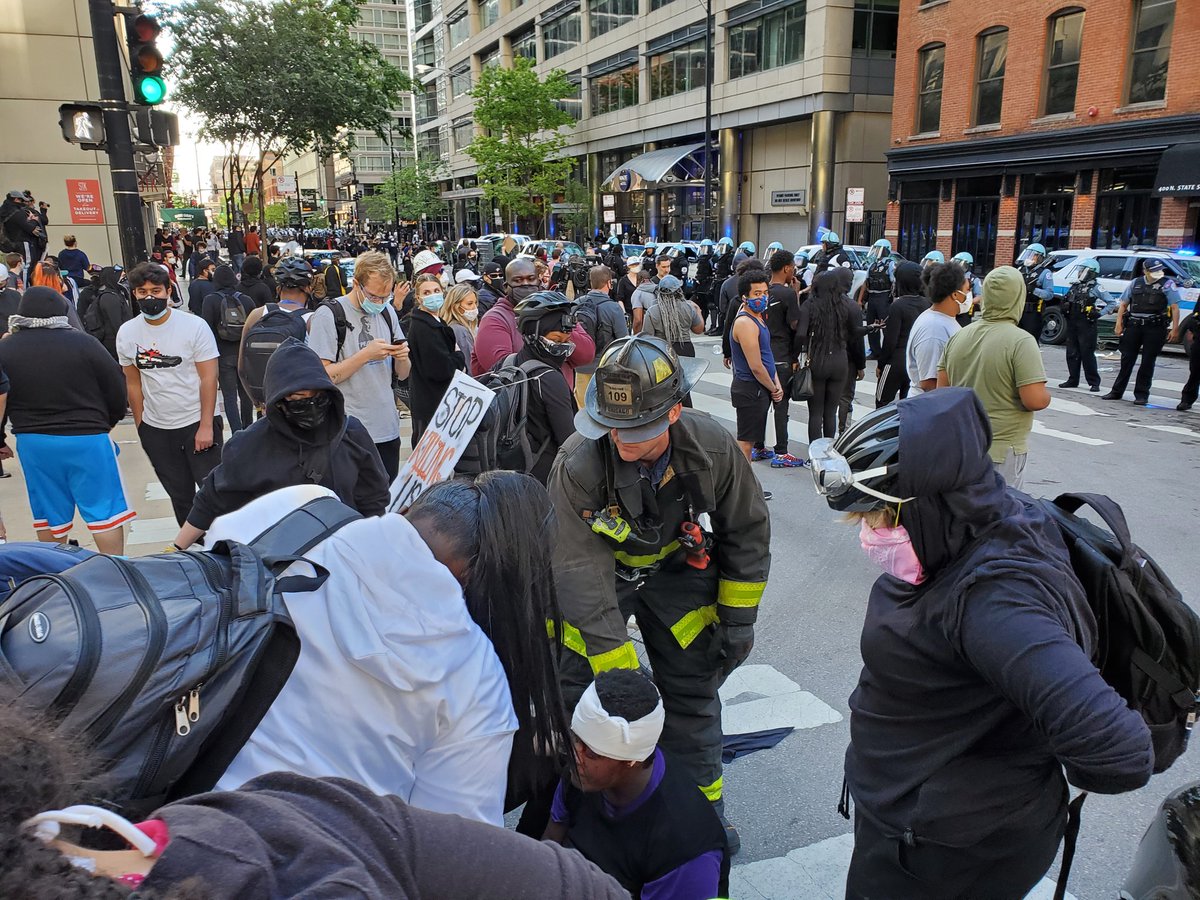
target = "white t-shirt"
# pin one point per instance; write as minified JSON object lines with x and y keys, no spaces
{"x":165,"y":356}
{"x":930,"y":333}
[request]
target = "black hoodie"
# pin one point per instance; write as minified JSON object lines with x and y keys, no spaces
{"x":977,"y":686}
{"x":272,"y":453}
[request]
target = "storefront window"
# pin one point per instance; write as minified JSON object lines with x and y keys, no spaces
{"x":976,"y":218}
{"x":989,"y":83}
{"x":1062,"y":64}
{"x":562,"y":34}
{"x":605,"y":15}
{"x":875,"y":23}
{"x":1126,"y":209}
{"x":1044,"y":213}
{"x":774,"y":39}
{"x":918,"y":218}
{"x":677,"y":70}
{"x":1150,"y":51}
{"x":614,"y":90}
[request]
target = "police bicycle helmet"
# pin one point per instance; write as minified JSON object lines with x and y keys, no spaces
{"x":965,"y":258}
{"x":934,"y":257}
{"x":863,"y":463}
{"x":293,"y":272}
{"x":773,"y":247}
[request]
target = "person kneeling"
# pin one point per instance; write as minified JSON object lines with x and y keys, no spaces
{"x":631,"y":809}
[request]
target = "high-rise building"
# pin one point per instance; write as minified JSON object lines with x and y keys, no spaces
{"x":1086,"y":135}
{"x":801,"y":102}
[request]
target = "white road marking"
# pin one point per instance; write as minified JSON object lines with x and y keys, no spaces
{"x":1073,"y":407}
{"x":155,"y":491}
{"x":1170,"y":429}
{"x":772,"y":700}
{"x":1039,"y":428}
{"x":153,"y":531}
{"x":815,"y":872}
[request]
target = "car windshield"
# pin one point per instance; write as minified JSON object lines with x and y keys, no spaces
{"x":1190,"y":267}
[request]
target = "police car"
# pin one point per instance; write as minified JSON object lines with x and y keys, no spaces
{"x":859,"y":263}
{"x":1117,"y":269}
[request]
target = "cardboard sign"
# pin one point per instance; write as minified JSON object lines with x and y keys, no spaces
{"x":433,"y":459}
{"x":83,"y":197}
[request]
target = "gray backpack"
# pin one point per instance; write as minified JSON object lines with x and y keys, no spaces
{"x":164,"y":665}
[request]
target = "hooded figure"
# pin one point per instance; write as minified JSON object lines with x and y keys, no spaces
{"x":293,"y":446}
{"x":978,"y":685}
{"x":910,"y":302}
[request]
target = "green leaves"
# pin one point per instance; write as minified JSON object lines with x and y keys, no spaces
{"x":411,"y":193}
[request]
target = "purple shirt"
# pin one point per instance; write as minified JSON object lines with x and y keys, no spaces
{"x":696,"y":879}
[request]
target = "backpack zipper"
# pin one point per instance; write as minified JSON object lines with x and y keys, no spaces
{"x":89,"y":656}
{"x":210,"y":571}
{"x":158,"y":752}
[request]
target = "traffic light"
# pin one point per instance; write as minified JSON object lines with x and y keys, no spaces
{"x":145,"y":60}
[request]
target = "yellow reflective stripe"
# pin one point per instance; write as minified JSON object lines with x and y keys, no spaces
{"x":740,"y":593}
{"x":638,"y":562}
{"x":713,"y":791}
{"x":572,"y":639}
{"x":689,"y":627}
{"x":623,"y":657}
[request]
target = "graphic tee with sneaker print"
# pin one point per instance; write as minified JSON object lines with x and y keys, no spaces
{"x":165,"y":356}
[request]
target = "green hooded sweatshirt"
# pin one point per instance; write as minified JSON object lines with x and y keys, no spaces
{"x":996,"y":358}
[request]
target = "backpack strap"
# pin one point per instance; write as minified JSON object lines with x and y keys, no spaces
{"x":301,"y":530}
{"x":1070,"y":838}
{"x":1107,"y":509}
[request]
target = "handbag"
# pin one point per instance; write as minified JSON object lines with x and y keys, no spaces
{"x":802,"y":381}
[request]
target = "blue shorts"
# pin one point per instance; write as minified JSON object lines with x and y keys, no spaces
{"x":65,"y":471}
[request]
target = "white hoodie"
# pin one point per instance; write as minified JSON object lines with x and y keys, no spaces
{"x":396,"y":686}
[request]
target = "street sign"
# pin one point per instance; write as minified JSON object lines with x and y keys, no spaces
{"x":496,"y":217}
{"x":82,"y":123}
{"x":83,"y":199}
{"x":285,"y":184}
{"x":854,"y":212}
{"x":855,"y":195}
{"x":610,"y":216}
{"x":610,"y":200}
{"x":789,"y":198}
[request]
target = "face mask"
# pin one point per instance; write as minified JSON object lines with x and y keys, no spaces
{"x":964,"y":305}
{"x":519,"y":292}
{"x":757,"y":304}
{"x":555,"y":350}
{"x":308,"y":413}
{"x":892,"y":550}
{"x":433,"y":302}
{"x":373,"y":309}
{"x":1152,"y":277}
{"x":470,"y":314}
{"x":153,"y":307}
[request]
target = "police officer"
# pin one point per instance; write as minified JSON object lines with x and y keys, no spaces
{"x":1147,"y":318}
{"x":771,"y":248}
{"x":1039,"y":287}
{"x":933,"y":258}
{"x":722,"y":269}
{"x":1082,"y":306}
{"x":745,"y":251}
{"x":614,"y":258}
{"x":631,"y":491}
{"x":831,"y":254}
{"x":875,"y":294}
{"x":704,"y":285}
{"x":678,"y":257}
{"x":967,"y":261}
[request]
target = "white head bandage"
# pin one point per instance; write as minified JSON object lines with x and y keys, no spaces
{"x":613,"y":737}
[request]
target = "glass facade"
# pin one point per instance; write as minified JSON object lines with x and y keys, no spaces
{"x":605,"y":15}
{"x":1062,"y":63}
{"x":464,"y":133}
{"x":425,"y":52}
{"x":614,"y":90}
{"x":562,"y":34}
{"x":931,"y":62}
{"x":1044,"y":213}
{"x":767,"y":42}
{"x":460,"y":82}
{"x":572,"y":104}
{"x":918,"y":218}
{"x":525,"y":44}
{"x":424,"y":11}
{"x":875,"y":24}
{"x":1150,"y":51}
{"x":976,"y":218}
{"x":489,"y":13}
{"x":1126,"y":209}
{"x":427,"y":104}
{"x":489,"y":58}
{"x":460,"y":29}
{"x":677,"y":70}
{"x":989,"y":80}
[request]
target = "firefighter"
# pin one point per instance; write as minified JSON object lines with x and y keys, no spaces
{"x":660,"y":517}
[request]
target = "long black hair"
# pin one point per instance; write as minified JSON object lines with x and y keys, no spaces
{"x":503,"y":522}
{"x":828,"y":316}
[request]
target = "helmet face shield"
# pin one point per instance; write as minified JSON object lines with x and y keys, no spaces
{"x":833,"y":476}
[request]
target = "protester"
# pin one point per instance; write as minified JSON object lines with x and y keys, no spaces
{"x":546,"y":322}
{"x":239,"y":412}
{"x":252,"y":284}
{"x":631,"y":809}
{"x":1000,"y":361}
{"x":10,"y":298}
{"x":492,"y":286}
{"x":202,"y":285}
{"x":433,"y":352}
{"x":626,"y":283}
{"x":253,"y":243}
{"x":978,"y":684}
{"x":891,"y":371}
{"x":236,"y":245}
{"x":947,"y":288}
{"x":829,"y":333}
{"x":170,"y":363}
{"x":72,"y":260}
{"x":755,"y":379}
{"x":782,"y":318}
{"x":461,"y":313}
{"x":604,"y":319}
{"x":62,"y":416}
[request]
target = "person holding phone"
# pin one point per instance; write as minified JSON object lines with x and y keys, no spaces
{"x":434,"y":352}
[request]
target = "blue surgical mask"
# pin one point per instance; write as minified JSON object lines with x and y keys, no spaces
{"x":373,"y":309}
{"x":433,"y":302}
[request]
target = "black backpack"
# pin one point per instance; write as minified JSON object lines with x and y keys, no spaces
{"x":341,"y":325}
{"x":502,"y":439}
{"x":1149,"y":638}
{"x":260,"y":341}
{"x":164,"y":665}
{"x":94,"y":322}
{"x":232,"y":319}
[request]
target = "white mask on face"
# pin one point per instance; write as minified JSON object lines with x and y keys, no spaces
{"x":1152,"y":277}
{"x":470,"y":314}
{"x":964,"y":305}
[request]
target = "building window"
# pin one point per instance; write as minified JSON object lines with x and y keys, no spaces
{"x":1151,"y":48}
{"x":605,"y":15}
{"x":677,"y":70}
{"x":658,"y":4}
{"x":572,"y":104}
{"x":930,"y":64}
{"x":1044,"y":213}
{"x":918,"y":218}
{"x":424,"y":11}
{"x":525,"y":44}
{"x":425,"y":53}
{"x":1126,"y":209}
{"x":976,"y":218}
{"x":1062,"y":62}
{"x":614,"y":90}
{"x":490,"y":58}
{"x":875,"y":24}
{"x":562,"y":34}
{"x":427,"y":105}
{"x":768,"y":41}
{"x":460,"y":29}
{"x":489,"y":13}
{"x":460,"y":82}
{"x":989,"y":78}
{"x":464,"y":133}
{"x":379,"y":18}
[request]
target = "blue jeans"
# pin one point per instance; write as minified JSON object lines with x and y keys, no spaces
{"x":236,"y":260}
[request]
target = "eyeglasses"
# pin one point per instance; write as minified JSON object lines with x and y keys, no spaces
{"x":386,"y":298}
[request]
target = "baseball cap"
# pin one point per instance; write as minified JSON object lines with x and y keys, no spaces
{"x":493,"y":268}
{"x":464,"y":276}
{"x":1152,"y":265}
{"x":634,"y":262}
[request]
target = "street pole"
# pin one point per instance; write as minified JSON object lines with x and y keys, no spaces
{"x":299,"y":205}
{"x":395,"y":199}
{"x":126,"y":196}
{"x":708,"y":86}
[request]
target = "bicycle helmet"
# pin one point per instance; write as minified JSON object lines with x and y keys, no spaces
{"x":866,"y":455}
{"x":536,"y":307}
{"x":934,"y":256}
{"x":965,"y":258}
{"x":293,"y":272}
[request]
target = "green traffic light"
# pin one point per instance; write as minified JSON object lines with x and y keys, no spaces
{"x":151,"y":90}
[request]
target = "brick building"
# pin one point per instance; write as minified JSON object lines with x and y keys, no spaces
{"x":1072,"y":125}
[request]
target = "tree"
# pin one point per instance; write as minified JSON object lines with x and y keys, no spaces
{"x":519,"y":151}
{"x":278,"y":213}
{"x":578,"y":217}
{"x":410,"y":193}
{"x":279,"y":77}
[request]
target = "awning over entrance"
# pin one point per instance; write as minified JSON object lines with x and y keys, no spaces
{"x":1179,"y":171}
{"x":671,"y":165}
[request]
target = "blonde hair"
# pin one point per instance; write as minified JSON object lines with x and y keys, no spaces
{"x":884,"y":517}
{"x":452,"y":309}
{"x":423,"y":279}
{"x":69,"y":240}
{"x":373,"y":263}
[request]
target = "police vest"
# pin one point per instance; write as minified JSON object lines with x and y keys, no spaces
{"x":1148,"y":299}
{"x":1033,"y":303}
{"x":1081,"y":300}
{"x":878,"y":280}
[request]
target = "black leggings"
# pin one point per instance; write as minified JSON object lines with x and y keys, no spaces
{"x":823,"y":406}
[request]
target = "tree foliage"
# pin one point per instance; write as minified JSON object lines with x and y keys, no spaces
{"x":410,"y":193}
{"x":282,"y":77}
{"x":278,"y":213}
{"x":519,"y":151}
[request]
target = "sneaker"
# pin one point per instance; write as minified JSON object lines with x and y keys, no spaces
{"x":767,"y":495}
{"x":787,"y":461}
{"x":1184,"y":406}
{"x":1069,"y":384}
{"x":1111,"y":396}
{"x":759,"y":453}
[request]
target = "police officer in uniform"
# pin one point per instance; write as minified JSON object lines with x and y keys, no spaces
{"x":967,"y":261}
{"x":678,"y":257}
{"x":875,"y":295}
{"x":659,"y":517}
{"x":1082,"y":306}
{"x":831,"y":254}
{"x":722,"y":269}
{"x":1147,"y":318}
{"x":614,"y":258}
{"x":704,"y":285}
{"x":1039,"y":287}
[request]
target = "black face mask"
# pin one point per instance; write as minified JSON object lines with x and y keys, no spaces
{"x":518,"y":292}
{"x":308,"y":413}
{"x":152,"y":306}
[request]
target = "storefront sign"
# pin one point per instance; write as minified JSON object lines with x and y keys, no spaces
{"x":624,"y":180}
{"x":1179,"y":171}
{"x":83,"y":197}
{"x":453,"y":425}
{"x":788,"y":198}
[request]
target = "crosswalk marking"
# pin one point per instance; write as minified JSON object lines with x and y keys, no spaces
{"x":155,"y":491}
{"x":1169,"y":429}
{"x":1039,"y":428}
{"x":759,"y":698}
{"x":153,"y":531}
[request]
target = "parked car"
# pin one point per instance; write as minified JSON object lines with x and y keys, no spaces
{"x":570,"y":248}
